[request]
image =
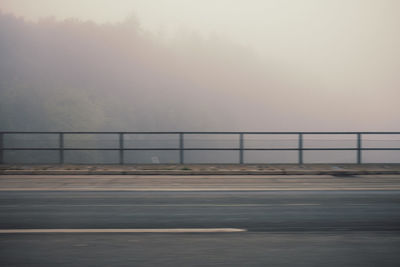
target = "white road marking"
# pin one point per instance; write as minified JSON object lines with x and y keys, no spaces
{"x":204,"y":189}
{"x":166,"y":230}
{"x":158,"y":205}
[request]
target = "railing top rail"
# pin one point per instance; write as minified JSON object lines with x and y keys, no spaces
{"x":174,"y":132}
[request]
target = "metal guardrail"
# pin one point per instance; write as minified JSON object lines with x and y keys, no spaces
{"x":300,"y":148}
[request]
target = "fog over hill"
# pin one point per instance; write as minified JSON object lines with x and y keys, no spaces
{"x":73,"y":75}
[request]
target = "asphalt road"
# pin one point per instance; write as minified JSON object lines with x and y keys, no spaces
{"x":239,"y":249}
{"x":251,"y":210}
{"x":283,"y":227}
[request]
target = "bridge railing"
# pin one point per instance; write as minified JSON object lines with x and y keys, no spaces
{"x":298,"y":144}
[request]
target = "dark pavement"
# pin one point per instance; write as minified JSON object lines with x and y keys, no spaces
{"x":284,"y":227}
{"x":237,"y":249}
{"x":252,"y":210}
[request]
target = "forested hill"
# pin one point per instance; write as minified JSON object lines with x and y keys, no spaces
{"x":76,"y":75}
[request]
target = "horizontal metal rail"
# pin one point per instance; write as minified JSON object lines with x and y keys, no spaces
{"x":283,"y":133}
{"x":200,"y":149}
{"x":180,"y":138}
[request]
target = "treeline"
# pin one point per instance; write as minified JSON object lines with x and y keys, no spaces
{"x":77,"y":75}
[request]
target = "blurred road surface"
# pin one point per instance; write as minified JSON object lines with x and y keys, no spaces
{"x":356,"y":224}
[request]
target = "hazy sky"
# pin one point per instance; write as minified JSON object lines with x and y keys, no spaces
{"x":257,"y":22}
{"x":294,"y":33}
{"x":302,"y":33}
{"x":338,"y":47}
{"x":345,"y":36}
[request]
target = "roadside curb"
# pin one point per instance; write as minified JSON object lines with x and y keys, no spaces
{"x":188,"y":173}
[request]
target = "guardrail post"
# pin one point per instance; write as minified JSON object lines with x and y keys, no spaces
{"x":181,"y":154}
{"x":300,"y":148}
{"x":241,"y":148}
{"x":121,"y":148}
{"x":61,"y":147}
{"x":1,"y":148}
{"x":359,"y":156}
